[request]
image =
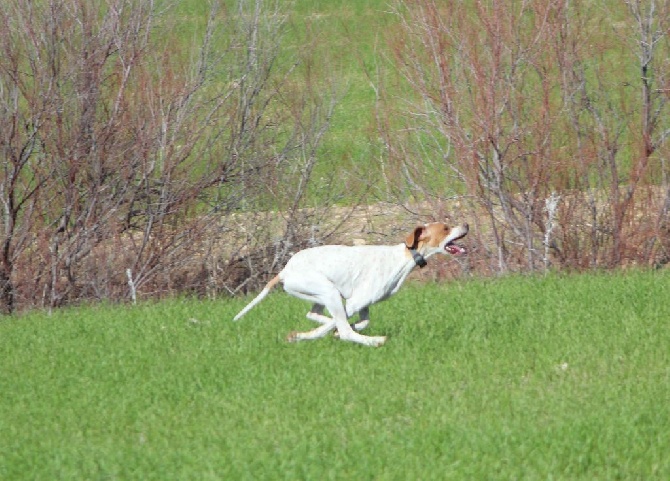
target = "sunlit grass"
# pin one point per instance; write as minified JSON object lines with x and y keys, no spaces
{"x":533,"y":378}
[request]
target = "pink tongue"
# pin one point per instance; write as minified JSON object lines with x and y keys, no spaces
{"x":454,"y":249}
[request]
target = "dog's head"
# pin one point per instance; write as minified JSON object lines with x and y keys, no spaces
{"x":437,"y":237}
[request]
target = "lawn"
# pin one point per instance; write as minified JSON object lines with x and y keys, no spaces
{"x":558,"y":377}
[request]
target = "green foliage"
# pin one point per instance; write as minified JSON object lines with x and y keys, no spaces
{"x":558,"y":377}
{"x":349,"y":46}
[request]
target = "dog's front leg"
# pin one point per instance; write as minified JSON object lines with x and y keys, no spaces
{"x":363,"y":319}
{"x":316,"y":314}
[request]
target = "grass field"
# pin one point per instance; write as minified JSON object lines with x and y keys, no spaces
{"x":563,"y":377}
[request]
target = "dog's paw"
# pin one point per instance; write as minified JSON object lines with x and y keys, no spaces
{"x":292,"y":336}
{"x":377,"y":341}
{"x":360,"y":325}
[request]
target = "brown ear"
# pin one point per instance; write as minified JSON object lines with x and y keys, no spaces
{"x":412,"y":241}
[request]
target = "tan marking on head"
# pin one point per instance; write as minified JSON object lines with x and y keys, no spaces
{"x":412,"y":240}
{"x":434,"y":235}
{"x":431,"y":234}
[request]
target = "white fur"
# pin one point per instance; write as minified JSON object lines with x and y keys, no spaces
{"x":359,"y":275}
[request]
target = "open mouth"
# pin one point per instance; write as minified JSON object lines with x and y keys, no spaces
{"x":455,"y":249}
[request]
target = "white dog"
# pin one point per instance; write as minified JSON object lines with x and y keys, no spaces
{"x":361,"y":275}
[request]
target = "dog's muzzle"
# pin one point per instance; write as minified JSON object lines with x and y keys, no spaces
{"x":451,"y":246}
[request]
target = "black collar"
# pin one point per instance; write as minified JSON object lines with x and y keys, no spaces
{"x":418,"y":258}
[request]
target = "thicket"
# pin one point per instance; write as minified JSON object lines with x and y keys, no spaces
{"x":123,"y":147}
{"x":547,"y":119}
{"x":135,"y":162}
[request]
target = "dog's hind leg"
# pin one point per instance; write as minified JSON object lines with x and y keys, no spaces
{"x":346,"y":332}
{"x":317,"y":333}
{"x":320,"y":291}
{"x":363,"y":321}
{"x":316,"y":314}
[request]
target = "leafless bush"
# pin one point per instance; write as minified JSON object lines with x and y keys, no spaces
{"x":121,"y":154}
{"x":511,"y":104}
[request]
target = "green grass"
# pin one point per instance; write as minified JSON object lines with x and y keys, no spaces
{"x":564,"y":377}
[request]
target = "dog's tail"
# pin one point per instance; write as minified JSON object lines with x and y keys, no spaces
{"x":266,"y":290}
